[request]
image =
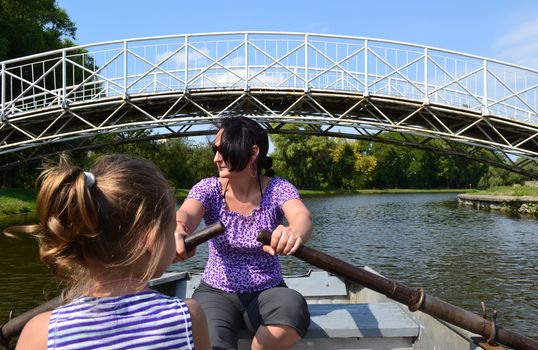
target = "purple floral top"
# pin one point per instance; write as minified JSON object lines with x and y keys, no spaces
{"x":236,"y":261}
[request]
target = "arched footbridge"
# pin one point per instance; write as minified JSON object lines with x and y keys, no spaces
{"x":352,"y":87}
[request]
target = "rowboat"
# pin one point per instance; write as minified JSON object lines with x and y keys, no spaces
{"x":346,"y":315}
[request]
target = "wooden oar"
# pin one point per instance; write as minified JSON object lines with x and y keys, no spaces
{"x":414,"y":298}
{"x":14,"y":327}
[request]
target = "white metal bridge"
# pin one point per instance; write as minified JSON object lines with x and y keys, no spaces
{"x":353,"y":87}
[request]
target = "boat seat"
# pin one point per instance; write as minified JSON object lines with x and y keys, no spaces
{"x":385,"y":320}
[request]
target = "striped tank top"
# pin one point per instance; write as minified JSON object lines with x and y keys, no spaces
{"x":145,"y":320}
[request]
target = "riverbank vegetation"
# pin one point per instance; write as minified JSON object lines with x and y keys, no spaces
{"x":514,"y":191}
{"x":17,"y":201}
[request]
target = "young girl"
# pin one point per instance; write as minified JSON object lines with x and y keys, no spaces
{"x":107,"y":232}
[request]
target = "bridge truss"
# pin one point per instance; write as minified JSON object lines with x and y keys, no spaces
{"x":359,"y":88}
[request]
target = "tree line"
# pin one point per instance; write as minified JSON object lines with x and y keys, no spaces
{"x":310,"y":162}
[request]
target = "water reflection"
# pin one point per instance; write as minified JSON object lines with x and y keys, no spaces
{"x":26,"y":282}
{"x":460,"y":255}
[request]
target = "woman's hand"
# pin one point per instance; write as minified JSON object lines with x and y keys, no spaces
{"x":284,"y":240}
{"x":181,"y":251}
{"x":287,"y":239}
{"x":189,"y":215}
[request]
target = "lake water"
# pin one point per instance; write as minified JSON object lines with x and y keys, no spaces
{"x":460,"y":255}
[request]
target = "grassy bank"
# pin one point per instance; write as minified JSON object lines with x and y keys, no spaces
{"x":516,"y":191}
{"x":16,"y":201}
{"x":20,"y":201}
{"x":522,"y":201}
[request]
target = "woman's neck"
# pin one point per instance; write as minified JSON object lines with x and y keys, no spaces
{"x":242,"y":195}
{"x":243,"y":187}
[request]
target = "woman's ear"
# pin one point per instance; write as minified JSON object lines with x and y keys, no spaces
{"x":255,"y":151}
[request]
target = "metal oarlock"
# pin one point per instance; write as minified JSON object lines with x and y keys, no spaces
{"x":489,"y":343}
{"x":493,"y":332}
{"x":420,"y":301}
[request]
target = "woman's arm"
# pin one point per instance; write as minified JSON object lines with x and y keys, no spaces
{"x":286,"y":240}
{"x":35,"y":333}
{"x":188,"y":217}
{"x":200,"y":333}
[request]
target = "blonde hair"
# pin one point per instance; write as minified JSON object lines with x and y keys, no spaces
{"x":111,"y":222}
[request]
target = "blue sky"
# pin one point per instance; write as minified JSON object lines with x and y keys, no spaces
{"x":505,"y":30}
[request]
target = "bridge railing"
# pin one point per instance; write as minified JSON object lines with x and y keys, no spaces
{"x":275,"y":61}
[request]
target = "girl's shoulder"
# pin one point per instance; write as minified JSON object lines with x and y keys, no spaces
{"x":34,"y":335}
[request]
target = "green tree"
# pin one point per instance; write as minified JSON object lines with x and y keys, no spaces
{"x":364,"y":165}
{"x":392,"y":166}
{"x":184,"y":162}
{"x":343,"y":165}
{"x":32,"y":26}
{"x":200,"y":164}
{"x":351,"y":167}
{"x":305,"y":160}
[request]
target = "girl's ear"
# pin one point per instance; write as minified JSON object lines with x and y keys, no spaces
{"x":151,"y":239}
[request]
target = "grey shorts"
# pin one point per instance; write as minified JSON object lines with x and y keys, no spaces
{"x":227,"y":313}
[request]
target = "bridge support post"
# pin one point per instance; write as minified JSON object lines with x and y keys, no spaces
{"x":306,"y":80}
{"x":485,"y":109}
{"x":426,"y":89}
{"x":125,"y":71}
{"x":247,"y":77}
{"x":366,"y":92}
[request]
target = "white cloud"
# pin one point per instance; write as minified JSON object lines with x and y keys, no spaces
{"x":236,"y":61}
{"x":179,"y":59}
{"x":519,"y":45}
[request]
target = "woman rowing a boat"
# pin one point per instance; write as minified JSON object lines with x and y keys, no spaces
{"x":107,"y":232}
{"x":242,"y":285}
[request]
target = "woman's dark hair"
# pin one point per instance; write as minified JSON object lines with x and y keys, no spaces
{"x":238,"y":136}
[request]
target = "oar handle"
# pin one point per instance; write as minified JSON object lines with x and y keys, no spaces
{"x":264,"y":237}
{"x":414,"y":298}
{"x":204,"y":235}
{"x":14,"y":327}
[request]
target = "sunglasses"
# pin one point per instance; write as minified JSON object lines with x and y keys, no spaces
{"x":216,"y":149}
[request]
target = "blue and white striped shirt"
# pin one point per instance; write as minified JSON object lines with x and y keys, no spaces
{"x":145,"y":320}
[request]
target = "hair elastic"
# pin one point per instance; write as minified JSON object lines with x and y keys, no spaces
{"x":90,"y":179}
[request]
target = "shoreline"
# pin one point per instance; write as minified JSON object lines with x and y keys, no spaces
{"x":22,"y":201}
{"x":511,"y":205}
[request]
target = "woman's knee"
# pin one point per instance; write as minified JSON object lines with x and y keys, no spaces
{"x":275,"y":337}
{"x":284,"y":307}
